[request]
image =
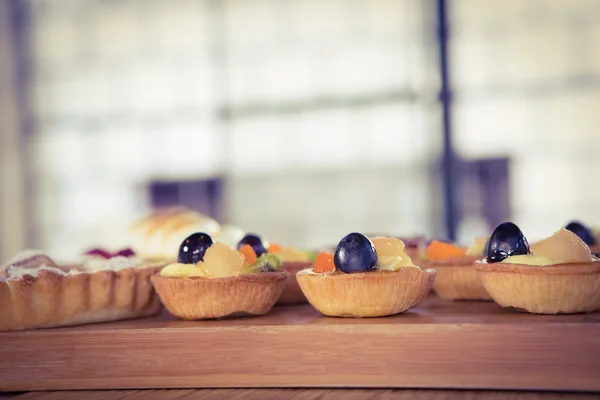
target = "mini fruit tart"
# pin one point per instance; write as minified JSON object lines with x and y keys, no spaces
{"x":292,"y":261}
{"x":212,"y":280}
{"x":456,"y":278}
{"x":557,"y":275}
{"x":37,"y":292}
{"x":365,"y":278}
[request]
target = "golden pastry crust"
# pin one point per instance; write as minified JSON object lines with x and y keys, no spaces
{"x":551,"y":289}
{"x":149,"y":235}
{"x":366,"y":294}
{"x":163,"y":240}
{"x":154,"y":220}
{"x":457,"y":279}
{"x":209,"y":298}
{"x":53,"y":299}
{"x":292,"y":294}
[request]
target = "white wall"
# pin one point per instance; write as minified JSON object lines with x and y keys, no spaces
{"x":130,"y":91}
{"x":527,"y":82}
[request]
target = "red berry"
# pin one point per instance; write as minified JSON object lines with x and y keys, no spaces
{"x":99,"y":253}
{"x":125,"y":253}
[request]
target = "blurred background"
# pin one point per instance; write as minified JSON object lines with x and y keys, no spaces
{"x":302,"y":120}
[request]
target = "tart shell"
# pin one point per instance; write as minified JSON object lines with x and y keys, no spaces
{"x":292,"y":294}
{"x":457,"y":279}
{"x":366,"y":294}
{"x":210,"y":298}
{"x":50,"y":299}
{"x":552,"y":289}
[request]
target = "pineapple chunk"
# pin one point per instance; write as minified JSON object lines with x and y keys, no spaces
{"x":564,"y":247}
{"x":390,"y":253}
{"x":388,"y":246}
{"x":221,"y":261}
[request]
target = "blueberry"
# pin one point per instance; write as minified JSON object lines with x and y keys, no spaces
{"x":580,"y":230}
{"x":506,"y":240}
{"x":355,"y":253}
{"x":192,"y":249}
{"x":255,"y":242}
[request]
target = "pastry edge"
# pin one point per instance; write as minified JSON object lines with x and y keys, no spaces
{"x":367,"y":294}
{"x":553,"y":289}
{"x":459,"y":282}
{"x":50,"y":299}
{"x":292,"y":294}
{"x":213,"y":298}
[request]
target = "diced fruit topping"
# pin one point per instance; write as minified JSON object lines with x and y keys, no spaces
{"x":274,"y":248}
{"x":292,"y":254}
{"x":580,"y":230}
{"x":256,"y":242}
{"x":265,"y":263}
{"x":355,"y":253}
{"x":563,"y":247}
{"x":391,"y":253}
{"x":248,"y":253}
{"x":386,"y":246}
{"x":221,"y":260}
{"x":439,"y":250}
{"x":324,"y":263}
{"x":99,"y":253}
{"x":183,"y":271}
{"x":311,"y":255}
{"x":506,"y":240}
{"x":192,"y":249}
{"x":478,"y":248}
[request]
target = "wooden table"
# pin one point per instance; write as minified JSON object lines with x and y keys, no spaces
{"x":300,"y":394}
{"x":438,"y":345}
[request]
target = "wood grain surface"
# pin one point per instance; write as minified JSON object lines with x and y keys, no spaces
{"x":440,"y":344}
{"x":300,"y":394}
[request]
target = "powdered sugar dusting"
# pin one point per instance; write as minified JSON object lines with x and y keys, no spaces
{"x":30,"y":258}
{"x":113,"y":264}
{"x":32,"y":262}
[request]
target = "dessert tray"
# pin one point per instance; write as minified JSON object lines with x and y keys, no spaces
{"x":437,"y":344}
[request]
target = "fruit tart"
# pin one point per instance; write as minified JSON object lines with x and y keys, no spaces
{"x":557,"y":275}
{"x":38,"y":292}
{"x":212,"y":280}
{"x":158,"y":236}
{"x":365,"y":278}
{"x":456,"y":278}
{"x":292,"y":261}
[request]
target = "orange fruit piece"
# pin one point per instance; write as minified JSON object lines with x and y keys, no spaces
{"x":248,"y":253}
{"x":324,"y":263}
{"x":274,"y":248}
{"x":439,"y":250}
